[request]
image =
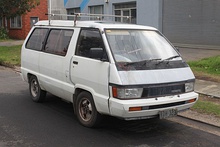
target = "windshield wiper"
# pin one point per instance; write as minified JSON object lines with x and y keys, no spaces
{"x":167,"y":59}
{"x":170,"y":58}
{"x":144,"y":62}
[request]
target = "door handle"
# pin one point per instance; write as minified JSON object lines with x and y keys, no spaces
{"x":75,"y":62}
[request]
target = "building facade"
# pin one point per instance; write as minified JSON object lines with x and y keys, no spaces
{"x":18,"y":27}
{"x":192,"y":22}
{"x":137,"y":9}
{"x":189,"y":23}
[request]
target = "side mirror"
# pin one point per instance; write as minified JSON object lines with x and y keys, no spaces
{"x":96,"y":53}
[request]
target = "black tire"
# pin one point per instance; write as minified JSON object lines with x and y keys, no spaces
{"x":86,"y":111}
{"x":37,"y":94}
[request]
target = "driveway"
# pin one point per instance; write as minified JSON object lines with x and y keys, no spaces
{"x":190,"y":54}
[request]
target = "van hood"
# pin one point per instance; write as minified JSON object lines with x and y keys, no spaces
{"x":142,"y":77}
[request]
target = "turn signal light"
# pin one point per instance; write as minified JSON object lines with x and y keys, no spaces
{"x":135,"y":108}
{"x":114,"y":92}
{"x":191,"y":101}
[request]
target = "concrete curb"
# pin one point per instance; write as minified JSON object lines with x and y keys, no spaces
{"x":204,"y":118}
{"x":12,"y":43}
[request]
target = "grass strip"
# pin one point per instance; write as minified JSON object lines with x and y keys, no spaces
{"x":207,"y":107}
{"x":207,"y":65}
{"x":207,"y":68}
{"x":10,"y":56}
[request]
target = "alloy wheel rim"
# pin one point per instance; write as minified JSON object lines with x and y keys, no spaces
{"x":34,"y":88}
{"x":85,"y":109}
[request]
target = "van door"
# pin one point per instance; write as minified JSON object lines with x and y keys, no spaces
{"x":30,"y":55}
{"x":88,"y":72}
{"x":54,"y":62}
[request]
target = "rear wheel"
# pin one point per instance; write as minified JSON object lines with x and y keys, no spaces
{"x":37,"y":94}
{"x":86,"y":111}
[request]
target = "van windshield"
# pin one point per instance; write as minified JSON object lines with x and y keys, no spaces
{"x":139,"y":45}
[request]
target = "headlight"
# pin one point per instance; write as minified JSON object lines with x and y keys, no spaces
{"x":127,"y":93}
{"x":189,"y":87}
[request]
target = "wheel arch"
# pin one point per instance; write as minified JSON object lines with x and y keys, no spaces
{"x":29,"y":75}
{"x":84,"y":106}
{"x":77,"y":92}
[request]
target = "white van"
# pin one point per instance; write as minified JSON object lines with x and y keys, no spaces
{"x":123,"y":70}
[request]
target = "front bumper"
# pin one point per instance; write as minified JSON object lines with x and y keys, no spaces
{"x":151,"y":106}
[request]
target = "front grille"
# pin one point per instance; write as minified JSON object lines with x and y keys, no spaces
{"x":164,"y":90}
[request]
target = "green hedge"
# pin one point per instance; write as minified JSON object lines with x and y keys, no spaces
{"x":3,"y":33}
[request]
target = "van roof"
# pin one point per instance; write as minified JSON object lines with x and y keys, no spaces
{"x":92,"y":24}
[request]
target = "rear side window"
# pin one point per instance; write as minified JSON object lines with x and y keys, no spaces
{"x":36,"y":39}
{"x":58,"y":41}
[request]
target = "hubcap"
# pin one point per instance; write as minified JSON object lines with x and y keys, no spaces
{"x":34,"y":88}
{"x":85,"y":109}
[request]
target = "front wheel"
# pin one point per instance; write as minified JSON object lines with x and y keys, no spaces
{"x":37,"y":94}
{"x":86,"y":111}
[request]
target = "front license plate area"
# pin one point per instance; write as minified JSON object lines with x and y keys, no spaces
{"x":167,"y":113}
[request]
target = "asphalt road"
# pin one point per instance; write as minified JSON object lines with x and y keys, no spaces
{"x":24,"y":123}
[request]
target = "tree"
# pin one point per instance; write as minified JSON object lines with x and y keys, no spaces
{"x":12,"y":8}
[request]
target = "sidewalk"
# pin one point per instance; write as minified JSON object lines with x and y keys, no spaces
{"x":208,"y":88}
{"x":11,"y":42}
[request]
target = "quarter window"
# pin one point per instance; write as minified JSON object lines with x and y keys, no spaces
{"x":58,"y":41}
{"x":36,"y":39}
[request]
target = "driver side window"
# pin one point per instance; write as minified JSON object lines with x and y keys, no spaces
{"x":88,"y":39}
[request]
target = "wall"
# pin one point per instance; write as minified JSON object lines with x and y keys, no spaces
{"x":149,"y":12}
{"x":39,"y":12}
{"x":193,"y":23}
{"x":189,"y":23}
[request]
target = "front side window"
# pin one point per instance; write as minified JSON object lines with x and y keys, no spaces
{"x":15,"y":22}
{"x":89,"y":39}
{"x":58,"y":41}
{"x":36,"y":39}
{"x":139,"y":45}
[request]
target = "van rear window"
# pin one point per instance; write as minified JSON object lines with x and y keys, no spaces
{"x":36,"y":39}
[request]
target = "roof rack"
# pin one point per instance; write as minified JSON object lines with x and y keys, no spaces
{"x":76,"y":15}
